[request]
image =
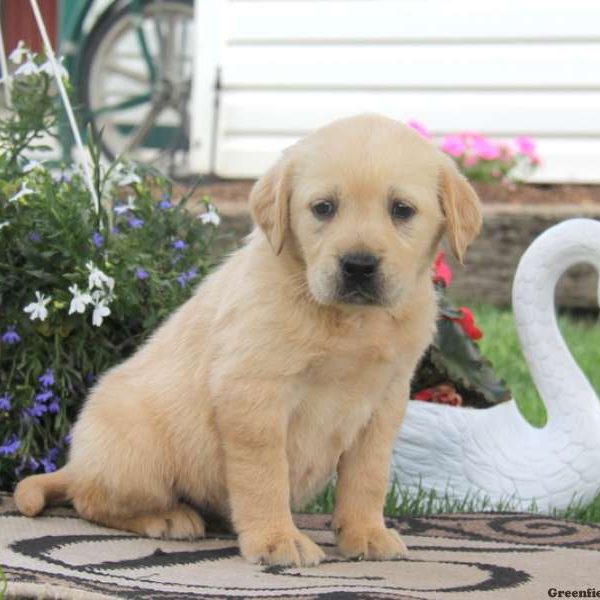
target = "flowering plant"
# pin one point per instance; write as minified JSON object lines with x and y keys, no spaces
{"x":453,"y":371}
{"x":80,"y":289}
{"x":485,"y":160}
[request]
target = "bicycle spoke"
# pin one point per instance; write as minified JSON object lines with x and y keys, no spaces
{"x":144,"y":128}
{"x":126,"y":72}
{"x":141,"y":36}
{"x":170,"y":46}
{"x":124,"y":105}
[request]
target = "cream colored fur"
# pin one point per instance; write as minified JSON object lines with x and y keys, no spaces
{"x":251,"y":395}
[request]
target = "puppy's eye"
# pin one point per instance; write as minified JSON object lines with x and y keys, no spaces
{"x":325,"y":209}
{"x":401,"y":211}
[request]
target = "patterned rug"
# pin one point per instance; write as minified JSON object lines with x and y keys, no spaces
{"x":475,"y":556}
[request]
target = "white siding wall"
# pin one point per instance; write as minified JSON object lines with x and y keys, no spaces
{"x":517,"y":67}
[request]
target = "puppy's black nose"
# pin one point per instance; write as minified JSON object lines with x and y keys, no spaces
{"x":359,"y":265}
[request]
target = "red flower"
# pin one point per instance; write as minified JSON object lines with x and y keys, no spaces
{"x":440,"y":394}
{"x":442,"y":272}
{"x":467,"y":322}
{"x":425,"y":395}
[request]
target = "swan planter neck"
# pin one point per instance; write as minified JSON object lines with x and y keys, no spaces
{"x":494,"y":453}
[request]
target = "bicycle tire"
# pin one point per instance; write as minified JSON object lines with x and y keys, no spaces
{"x":89,"y":54}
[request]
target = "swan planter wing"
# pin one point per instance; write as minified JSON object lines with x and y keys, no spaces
{"x":495,"y":453}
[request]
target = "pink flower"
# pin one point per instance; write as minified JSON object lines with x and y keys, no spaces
{"x":420,"y":128}
{"x":453,"y":145}
{"x":526,"y":145}
{"x":471,"y":159}
{"x":486,"y":149}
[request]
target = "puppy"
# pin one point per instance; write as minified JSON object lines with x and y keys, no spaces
{"x":291,"y":362}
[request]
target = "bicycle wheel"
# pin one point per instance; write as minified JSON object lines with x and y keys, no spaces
{"x":135,"y":81}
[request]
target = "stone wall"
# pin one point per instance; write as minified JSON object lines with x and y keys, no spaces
{"x":492,"y":260}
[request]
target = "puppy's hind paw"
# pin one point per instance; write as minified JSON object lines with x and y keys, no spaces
{"x":179,"y":523}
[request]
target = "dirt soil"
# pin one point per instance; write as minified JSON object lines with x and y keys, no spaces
{"x":230,"y":191}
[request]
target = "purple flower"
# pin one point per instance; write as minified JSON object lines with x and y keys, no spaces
{"x":135,"y":223}
{"x":115,"y":230}
{"x":179,"y":244}
{"x":89,"y":378}
{"x":5,"y":401}
{"x":47,"y":379}
{"x":11,"y":336}
{"x":176,"y":259}
{"x":54,"y":407}
{"x":48,"y":465}
{"x":37,"y":410}
{"x":49,"y":461}
{"x":10,"y":446}
{"x":35,"y":237}
{"x":44,"y":396}
{"x":33,"y":464}
{"x":69,"y":438}
{"x":164,"y":204}
{"x":98,"y":239}
{"x":141,"y":273}
{"x":19,"y":469}
{"x":183,"y":278}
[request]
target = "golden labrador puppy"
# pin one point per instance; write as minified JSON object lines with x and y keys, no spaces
{"x":291,"y":361}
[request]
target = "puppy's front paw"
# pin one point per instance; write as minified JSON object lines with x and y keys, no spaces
{"x":374,"y":543}
{"x":285,"y":548}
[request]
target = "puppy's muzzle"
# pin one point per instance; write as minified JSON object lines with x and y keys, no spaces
{"x":359,"y":278}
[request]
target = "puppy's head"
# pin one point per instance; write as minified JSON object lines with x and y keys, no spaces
{"x":364,"y":203}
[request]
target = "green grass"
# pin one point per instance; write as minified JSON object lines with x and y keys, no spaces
{"x":501,"y":345}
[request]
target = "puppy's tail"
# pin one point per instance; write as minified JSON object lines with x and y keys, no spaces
{"x":35,"y":492}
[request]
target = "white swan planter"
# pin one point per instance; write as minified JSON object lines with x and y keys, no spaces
{"x":495,"y":453}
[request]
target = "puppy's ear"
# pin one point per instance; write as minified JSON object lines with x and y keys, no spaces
{"x":461,"y":207}
{"x":270,"y":203}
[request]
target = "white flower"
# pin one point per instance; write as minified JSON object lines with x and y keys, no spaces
{"x":210,"y":216}
{"x":7,"y":223}
{"x":24,"y":191}
{"x":123,"y":208}
{"x":79,"y":301}
{"x":47,"y":68}
{"x":16,"y":56}
{"x":38,"y":309}
{"x":128,"y":178}
{"x":31,"y":165}
{"x":28,"y":67}
{"x":97,"y":278}
{"x":101,"y":310}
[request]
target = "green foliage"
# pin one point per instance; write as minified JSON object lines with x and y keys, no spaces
{"x":79,"y":290}
{"x":454,"y":361}
{"x":502,"y":345}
